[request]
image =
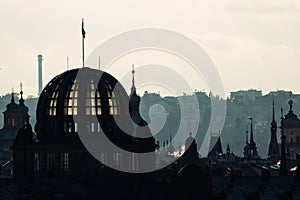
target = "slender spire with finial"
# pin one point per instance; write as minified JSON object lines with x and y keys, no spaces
{"x":12,"y":95}
{"x":21,"y":93}
{"x":251,"y":131}
{"x":133,"y":89}
{"x":83,"y":36}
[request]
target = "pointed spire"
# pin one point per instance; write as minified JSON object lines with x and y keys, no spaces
{"x":21,"y":93}
{"x":251,"y":131}
{"x":228,"y":148}
{"x":133,"y":89}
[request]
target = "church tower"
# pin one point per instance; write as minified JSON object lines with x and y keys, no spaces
{"x":251,"y":148}
{"x":273,"y":147}
{"x":15,"y":117}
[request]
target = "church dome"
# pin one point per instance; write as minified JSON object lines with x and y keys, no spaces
{"x":92,"y":93}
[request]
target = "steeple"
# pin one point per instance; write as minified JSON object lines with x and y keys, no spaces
{"x":251,"y":132}
{"x":133,"y":89}
{"x":273,"y":147}
{"x":251,"y":149}
{"x":228,"y":149}
{"x":21,"y":101}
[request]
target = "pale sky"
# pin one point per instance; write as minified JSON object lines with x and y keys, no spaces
{"x":253,"y":43}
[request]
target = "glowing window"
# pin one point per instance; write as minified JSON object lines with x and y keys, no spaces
{"x":71,"y":100}
{"x":112,"y":101}
{"x":53,"y":100}
{"x":93,"y":100}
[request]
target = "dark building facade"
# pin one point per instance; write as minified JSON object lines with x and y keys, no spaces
{"x":58,"y":150}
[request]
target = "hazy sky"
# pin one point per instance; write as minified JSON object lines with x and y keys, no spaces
{"x":253,"y":43}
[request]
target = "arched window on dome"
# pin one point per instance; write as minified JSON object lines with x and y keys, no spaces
{"x":71,"y":100}
{"x":93,"y":100}
{"x":112,"y":101}
{"x":53,"y":102}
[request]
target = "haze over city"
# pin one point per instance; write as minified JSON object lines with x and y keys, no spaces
{"x":254,"y":44}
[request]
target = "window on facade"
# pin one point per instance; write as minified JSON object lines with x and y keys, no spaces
{"x":36,"y":162}
{"x":50,"y":163}
{"x":53,"y":101}
{"x":93,"y":100}
{"x":112,"y":101}
{"x":64,"y":161}
{"x":13,"y":122}
{"x":71,"y":100}
{"x":117,"y":159}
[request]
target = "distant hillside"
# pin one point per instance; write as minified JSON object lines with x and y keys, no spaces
{"x":239,"y":109}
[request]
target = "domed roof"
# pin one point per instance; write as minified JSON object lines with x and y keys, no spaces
{"x":12,"y":106}
{"x":83,"y":91}
{"x":291,"y":119}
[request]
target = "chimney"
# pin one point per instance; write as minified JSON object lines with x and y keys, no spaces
{"x":40,"y":60}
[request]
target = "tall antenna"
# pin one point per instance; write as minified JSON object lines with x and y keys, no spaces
{"x":83,"y":36}
{"x":99,"y":64}
{"x":67,"y":63}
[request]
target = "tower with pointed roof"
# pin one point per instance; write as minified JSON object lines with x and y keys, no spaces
{"x":273,"y":146}
{"x":246,"y":146}
{"x":215,"y":146}
{"x":251,"y":152}
{"x":134,"y":103}
{"x":15,"y":117}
